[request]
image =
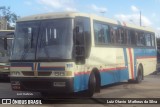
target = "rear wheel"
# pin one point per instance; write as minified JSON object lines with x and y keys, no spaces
{"x":91,"y":85}
{"x":139,"y":75}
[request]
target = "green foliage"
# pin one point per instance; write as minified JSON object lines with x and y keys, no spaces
{"x":10,"y":16}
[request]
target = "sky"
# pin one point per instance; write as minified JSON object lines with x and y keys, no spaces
{"x":123,"y":10}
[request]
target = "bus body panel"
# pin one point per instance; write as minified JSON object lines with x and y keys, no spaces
{"x":115,"y":63}
{"x":114,"y":69}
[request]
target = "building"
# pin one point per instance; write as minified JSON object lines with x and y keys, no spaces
{"x":3,"y":23}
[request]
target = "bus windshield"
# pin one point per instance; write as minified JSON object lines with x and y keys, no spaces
{"x":43,"y":40}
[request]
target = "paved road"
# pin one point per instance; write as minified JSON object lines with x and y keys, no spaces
{"x":149,"y":88}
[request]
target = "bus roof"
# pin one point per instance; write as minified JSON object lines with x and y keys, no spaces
{"x":74,"y":14}
{"x":6,"y":33}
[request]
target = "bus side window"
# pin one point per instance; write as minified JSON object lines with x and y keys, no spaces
{"x":118,"y":37}
{"x":133,"y":37}
{"x":153,"y":40}
{"x":113,"y":33}
{"x":106,"y":33}
{"x":127,"y":37}
{"x":121,"y":36}
{"x":101,"y":38}
{"x":97,"y":28}
{"x":101,"y":33}
{"x":148,"y":39}
{"x":140,"y":39}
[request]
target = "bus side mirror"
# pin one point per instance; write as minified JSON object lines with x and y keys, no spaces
{"x":77,"y":29}
{"x":5,"y":43}
{"x":79,"y":45}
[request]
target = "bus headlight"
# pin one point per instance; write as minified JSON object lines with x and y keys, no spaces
{"x":6,"y":68}
{"x":60,"y":73}
{"x":69,"y":73}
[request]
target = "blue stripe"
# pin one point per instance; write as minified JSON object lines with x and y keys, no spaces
{"x":113,"y":77}
{"x":22,"y":64}
{"x":51,"y":68}
{"x":31,"y":64}
{"x":108,"y":77}
{"x":81,"y":82}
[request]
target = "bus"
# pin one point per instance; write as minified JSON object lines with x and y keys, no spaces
{"x":70,"y":52}
{"x":6,"y":37}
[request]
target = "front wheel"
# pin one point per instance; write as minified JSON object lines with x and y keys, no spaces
{"x":91,"y":85}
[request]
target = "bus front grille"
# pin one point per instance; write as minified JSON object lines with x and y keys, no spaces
{"x":37,"y":84}
{"x":41,"y":73}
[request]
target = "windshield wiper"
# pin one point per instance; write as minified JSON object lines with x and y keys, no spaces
{"x":25,"y":52}
{"x":45,"y":50}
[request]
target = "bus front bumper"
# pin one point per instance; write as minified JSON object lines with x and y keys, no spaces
{"x":4,"y":75}
{"x":39,"y":84}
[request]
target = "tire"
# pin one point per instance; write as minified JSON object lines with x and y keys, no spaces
{"x":139,"y":77}
{"x":91,"y":85}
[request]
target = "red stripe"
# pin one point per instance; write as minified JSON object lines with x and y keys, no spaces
{"x":4,"y":66}
{"x":81,"y":73}
{"x":20,"y":66}
{"x":143,"y":57}
{"x":112,"y":69}
{"x":52,"y":66}
{"x":131,"y":62}
{"x":103,"y":70}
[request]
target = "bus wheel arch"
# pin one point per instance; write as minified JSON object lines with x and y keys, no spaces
{"x":94,"y":82}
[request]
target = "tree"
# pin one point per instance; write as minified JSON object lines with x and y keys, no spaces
{"x":10,"y":16}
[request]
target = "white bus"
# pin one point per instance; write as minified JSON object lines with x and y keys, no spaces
{"x":71,"y":52}
{"x":6,"y":37}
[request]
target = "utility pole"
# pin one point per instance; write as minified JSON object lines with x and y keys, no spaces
{"x":102,"y":12}
{"x":140,"y":19}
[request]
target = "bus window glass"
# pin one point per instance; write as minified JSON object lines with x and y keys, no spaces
{"x":113,"y":33}
{"x":101,"y":33}
{"x":97,"y":28}
{"x":105,"y":32}
{"x":127,"y":37}
{"x":120,"y":38}
{"x":133,"y":37}
{"x":24,"y":41}
{"x":148,"y":39}
{"x":56,"y":40}
{"x":123,"y":36}
{"x":152,"y":39}
{"x":140,"y":39}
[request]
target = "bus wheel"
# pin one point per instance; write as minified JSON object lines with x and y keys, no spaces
{"x":91,"y":85}
{"x":139,"y":75}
